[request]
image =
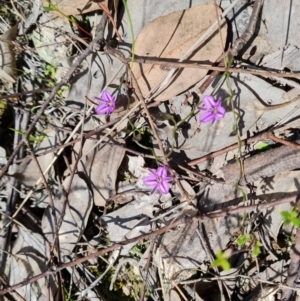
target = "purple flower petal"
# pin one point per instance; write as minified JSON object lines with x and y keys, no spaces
{"x":159,"y":179}
{"x":101,"y":109}
{"x":207,"y":117}
{"x":155,"y":188}
{"x":150,"y":181}
{"x":218,"y":103}
{"x":106,"y":95}
{"x":107,"y":103}
{"x":220,"y":114}
{"x":163,"y":187}
{"x":162,"y":172}
{"x":100,"y":99}
{"x":168,"y":179}
{"x":209,"y":101}
{"x":213,"y":109}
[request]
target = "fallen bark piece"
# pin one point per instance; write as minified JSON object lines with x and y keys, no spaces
{"x":265,"y":164}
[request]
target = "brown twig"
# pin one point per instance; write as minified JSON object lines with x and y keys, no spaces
{"x":146,"y":267}
{"x":239,"y":43}
{"x":160,"y":231}
{"x":55,"y":245}
{"x":3,"y":97}
{"x":262,"y":136}
{"x":92,"y":46}
{"x":264,"y":164}
{"x":170,"y":63}
{"x":86,"y":136}
{"x":106,"y":10}
{"x":3,"y":280}
{"x":141,"y":98}
{"x":206,"y":246}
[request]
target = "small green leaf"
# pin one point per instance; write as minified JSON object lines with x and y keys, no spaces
{"x":48,"y":8}
{"x":138,"y":137}
{"x":290,"y":217}
{"x":221,"y":261}
{"x":296,"y":222}
{"x":39,"y":138}
{"x":256,"y":250}
{"x":262,"y":146}
{"x":127,"y":177}
{"x":18,"y":131}
{"x":243,"y":239}
{"x":32,"y":110}
{"x":51,"y":7}
{"x":50,"y":71}
{"x":229,"y":61}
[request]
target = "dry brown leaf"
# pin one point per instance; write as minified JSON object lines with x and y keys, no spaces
{"x":7,"y":61}
{"x":183,"y":248}
{"x":27,"y":172}
{"x":131,"y":220}
{"x":24,"y":266}
{"x":170,"y":37}
{"x":101,"y":166}
{"x":29,"y":255}
{"x":77,"y":212}
{"x":74,"y":7}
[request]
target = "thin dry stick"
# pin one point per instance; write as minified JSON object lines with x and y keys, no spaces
{"x":3,"y":97}
{"x":29,"y":194}
{"x":210,"y":256}
{"x":262,"y":136}
{"x":93,"y":45}
{"x":195,"y":65}
{"x":106,"y":10}
{"x":282,"y":33}
{"x":142,"y":100}
{"x":239,"y":43}
{"x":86,"y":136}
{"x":160,"y":231}
{"x":53,"y":211}
{"x":250,"y":30}
{"x":18,"y":295}
{"x":146,"y":267}
{"x":65,"y":195}
{"x":284,"y":142}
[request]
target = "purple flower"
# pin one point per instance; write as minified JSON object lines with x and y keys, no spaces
{"x":213,"y":109}
{"x":107,"y":103}
{"x":159,"y":179}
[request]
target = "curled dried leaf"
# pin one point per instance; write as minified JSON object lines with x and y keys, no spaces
{"x":170,"y":37}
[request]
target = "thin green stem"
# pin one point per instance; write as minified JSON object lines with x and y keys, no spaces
{"x":131,"y":31}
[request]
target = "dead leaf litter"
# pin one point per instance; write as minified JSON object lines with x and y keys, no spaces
{"x":149,"y":150}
